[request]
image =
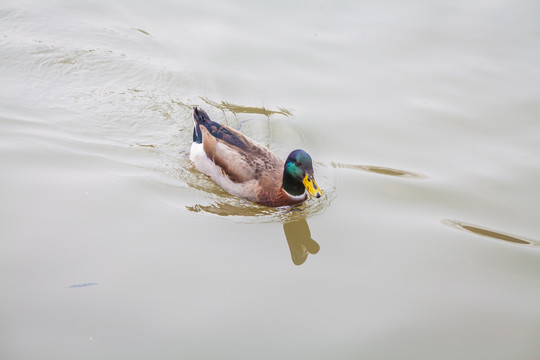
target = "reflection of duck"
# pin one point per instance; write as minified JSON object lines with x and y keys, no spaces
{"x":247,"y":169}
{"x":300,"y":241}
{"x":297,"y":232}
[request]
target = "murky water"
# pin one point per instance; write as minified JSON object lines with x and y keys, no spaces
{"x":423,"y":122}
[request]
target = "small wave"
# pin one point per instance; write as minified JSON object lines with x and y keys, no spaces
{"x":82,"y":285}
{"x":381,"y":170}
{"x":235,"y":109}
{"x":244,"y":211}
{"x":493,"y":234}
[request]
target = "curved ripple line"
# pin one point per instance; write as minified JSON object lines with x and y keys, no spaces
{"x":82,"y":285}
{"x":381,"y":170}
{"x":478,"y":230}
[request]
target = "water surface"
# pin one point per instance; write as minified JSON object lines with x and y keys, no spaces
{"x":422,"y":119}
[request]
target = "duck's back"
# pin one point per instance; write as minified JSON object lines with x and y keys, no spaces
{"x":240,"y":165}
{"x":241,"y":158}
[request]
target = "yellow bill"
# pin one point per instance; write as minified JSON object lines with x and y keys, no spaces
{"x":311,"y":186}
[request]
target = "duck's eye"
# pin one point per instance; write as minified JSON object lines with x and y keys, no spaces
{"x":297,"y":163}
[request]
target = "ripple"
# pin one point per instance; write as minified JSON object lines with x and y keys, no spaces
{"x":379,"y":170}
{"x":142,"y":31}
{"x":244,"y":211}
{"x":235,"y":109}
{"x":475,"y":229}
{"x":82,"y":285}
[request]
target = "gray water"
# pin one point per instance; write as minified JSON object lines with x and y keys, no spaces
{"x":422,"y":117}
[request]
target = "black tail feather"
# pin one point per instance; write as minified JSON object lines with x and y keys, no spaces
{"x":199,"y":117}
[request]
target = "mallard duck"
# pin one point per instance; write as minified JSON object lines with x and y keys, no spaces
{"x":247,"y":169}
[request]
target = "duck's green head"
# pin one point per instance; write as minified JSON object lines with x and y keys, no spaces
{"x":298,"y":175}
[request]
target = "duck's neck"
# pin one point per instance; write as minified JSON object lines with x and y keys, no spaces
{"x":291,"y":185}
